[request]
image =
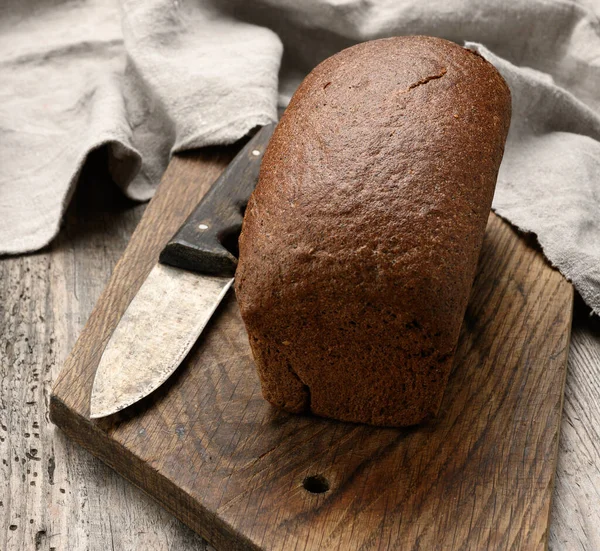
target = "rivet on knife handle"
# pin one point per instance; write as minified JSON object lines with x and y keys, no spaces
{"x":198,"y":245}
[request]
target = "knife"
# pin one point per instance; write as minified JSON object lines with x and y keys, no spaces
{"x":182,"y":291}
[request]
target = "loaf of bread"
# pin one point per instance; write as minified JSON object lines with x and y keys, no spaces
{"x":360,"y":243}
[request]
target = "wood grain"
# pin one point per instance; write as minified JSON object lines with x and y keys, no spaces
{"x":213,"y":452}
{"x":575,"y":520}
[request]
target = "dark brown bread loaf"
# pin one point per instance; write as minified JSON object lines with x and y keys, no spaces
{"x":360,"y":242}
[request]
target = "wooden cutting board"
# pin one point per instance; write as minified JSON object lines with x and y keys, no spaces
{"x":246,"y":476}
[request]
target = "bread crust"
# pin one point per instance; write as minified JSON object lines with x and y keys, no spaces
{"x":360,"y":243}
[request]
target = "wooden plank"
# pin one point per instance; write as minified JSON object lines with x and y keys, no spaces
{"x":575,"y":520}
{"x":213,"y":452}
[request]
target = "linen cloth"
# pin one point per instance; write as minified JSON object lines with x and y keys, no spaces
{"x":155,"y":77}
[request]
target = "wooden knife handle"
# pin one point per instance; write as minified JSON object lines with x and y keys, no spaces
{"x":201,"y":243}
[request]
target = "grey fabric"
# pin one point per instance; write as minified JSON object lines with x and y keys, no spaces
{"x":161,"y":76}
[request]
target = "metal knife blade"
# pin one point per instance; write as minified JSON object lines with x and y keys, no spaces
{"x":181,"y":293}
{"x":134,"y":364}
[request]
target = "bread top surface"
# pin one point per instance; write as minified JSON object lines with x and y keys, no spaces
{"x":375,"y":189}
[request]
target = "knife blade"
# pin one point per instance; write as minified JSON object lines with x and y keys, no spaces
{"x":181,"y":293}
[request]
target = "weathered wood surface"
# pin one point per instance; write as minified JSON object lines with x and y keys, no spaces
{"x":212,"y":451}
{"x":47,"y":298}
{"x":575,"y":520}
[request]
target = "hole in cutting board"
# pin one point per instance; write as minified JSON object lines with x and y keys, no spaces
{"x":316,"y":484}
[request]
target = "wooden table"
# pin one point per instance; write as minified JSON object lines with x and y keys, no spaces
{"x":56,"y":496}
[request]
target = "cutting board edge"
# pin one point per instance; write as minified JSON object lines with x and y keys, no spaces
{"x":92,"y":435}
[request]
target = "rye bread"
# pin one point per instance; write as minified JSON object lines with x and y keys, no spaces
{"x":360,"y":243}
